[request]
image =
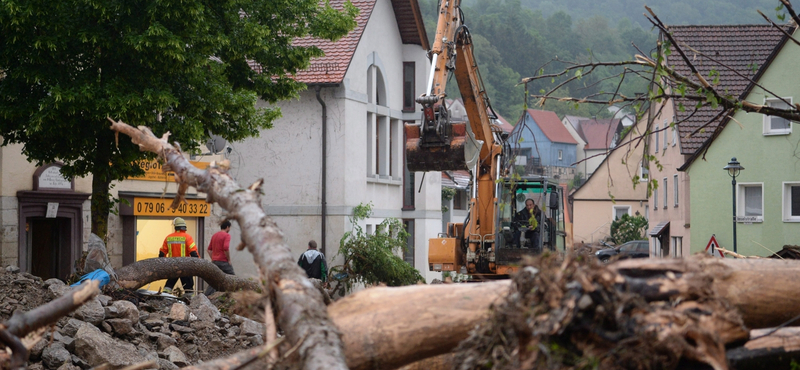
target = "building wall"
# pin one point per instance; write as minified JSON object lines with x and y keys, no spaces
{"x":595,"y":158}
{"x":580,"y":154}
{"x":610,"y":186}
{"x":542,"y":147}
{"x":16,"y":174}
{"x":677,"y":213}
{"x":770,"y":160}
{"x":288,"y":156}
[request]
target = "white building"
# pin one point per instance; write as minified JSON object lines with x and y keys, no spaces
{"x":360,"y":94}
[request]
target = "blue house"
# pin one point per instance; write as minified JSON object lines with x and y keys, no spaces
{"x":549,"y":148}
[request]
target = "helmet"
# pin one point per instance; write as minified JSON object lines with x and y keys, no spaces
{"x":179,"y":222}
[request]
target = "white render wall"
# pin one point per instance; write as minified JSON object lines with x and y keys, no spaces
{"x":288,"y":156}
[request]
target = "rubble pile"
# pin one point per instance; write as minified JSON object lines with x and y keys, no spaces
{"x":122,"y":333}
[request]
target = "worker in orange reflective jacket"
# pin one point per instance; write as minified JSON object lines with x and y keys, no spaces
{"x":179,"y":244}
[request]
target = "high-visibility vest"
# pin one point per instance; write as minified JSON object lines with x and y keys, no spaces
{"x":178,"y":244}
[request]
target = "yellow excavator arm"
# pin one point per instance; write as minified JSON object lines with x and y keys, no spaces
{"x":439,"y":145}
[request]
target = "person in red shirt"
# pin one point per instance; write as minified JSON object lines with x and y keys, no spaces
{"x":179,"y":244}
{"x":220,"y":246}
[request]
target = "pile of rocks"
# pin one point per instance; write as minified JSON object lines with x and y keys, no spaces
{"x":121,"y":333}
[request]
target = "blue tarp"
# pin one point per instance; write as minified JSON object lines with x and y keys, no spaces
{"x":99,"y":275}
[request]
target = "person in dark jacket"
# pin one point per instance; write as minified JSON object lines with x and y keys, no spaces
{"x":314,"y":262}
{"x":528,"y":221}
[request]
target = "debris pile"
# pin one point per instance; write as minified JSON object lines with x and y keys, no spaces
{"x":573,"y":312}
{"x":129,"y":330}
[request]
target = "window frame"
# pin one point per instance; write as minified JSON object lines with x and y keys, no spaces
{"x":666,"y":193}
{"x":642,"y":173}
{"x":740,"y":203}
{"x":409,"y":91}
{"x":657,"y":137}
{"x":767,"y":120}
{"x":666,"y":138}
{"x":655,"y":198}
{"x":614,"y":211}
{"x":560,"y":154}
{"x":786,"y":199}
{"x":675,"y":191}
{"x":674,"y":249}
{"x":674,"y":135}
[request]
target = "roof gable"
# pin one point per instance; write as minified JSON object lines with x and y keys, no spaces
{"x":737,"y":46}
{"x":331,"y":68}
{"x":552,"y":127}
{"x":599,"y":133}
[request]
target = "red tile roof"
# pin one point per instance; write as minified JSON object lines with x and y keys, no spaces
{"x":598,"y":133}
{"x":737,"y":46}
{"x":331,"y":68}
{"x":507,"y":127}
{"x":552,"y":127}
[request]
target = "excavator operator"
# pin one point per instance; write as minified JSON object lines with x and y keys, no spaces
{"x":527,"y":219}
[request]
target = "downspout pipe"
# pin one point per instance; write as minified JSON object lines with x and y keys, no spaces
{"x":324,"y":205}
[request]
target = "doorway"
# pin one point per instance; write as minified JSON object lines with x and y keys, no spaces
{"x":48,"y":242}
{"x":150,"y":234}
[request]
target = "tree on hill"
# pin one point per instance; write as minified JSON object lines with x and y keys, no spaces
{"x":182,"y":67}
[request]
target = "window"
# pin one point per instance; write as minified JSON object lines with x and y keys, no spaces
{"x":408,"y":181}
{"x":621,"y":210}
{"x":675,"y":189}
{"x":647,"y":212}
{"x":408,"y":253}
{"x":666,"y":138}
{"x":408,"y":86}
{"x":676,"y":247}
{"x":460,"y":199}
{"x":665,"y":192}
{"x":655,"y":197}
{"x":777,"y":125}
{"x":371,"y":142}
{"x":656,"y":141}
{"x":644,"y":172}
{"x":750,"y":202}
{"x":674,"y":135}
{"x":791,"y":201}
{"x":560,"y":154}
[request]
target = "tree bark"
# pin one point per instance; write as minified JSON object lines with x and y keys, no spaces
{"x":143,"y":272}
{"x":385,"y":328}
{"x":757,"y":288}
{"x":298,"y":305}
{"x":101,"y":180}
{"x":767,"y":349}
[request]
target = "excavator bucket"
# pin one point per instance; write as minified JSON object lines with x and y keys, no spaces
{"x":444,"y":157}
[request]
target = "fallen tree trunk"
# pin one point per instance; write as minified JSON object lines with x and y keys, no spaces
{"x":141,"y":273}
{"x":385,"y":328}
{"x":757,"y":288}
{"x":767,"y":349}
{"x":298,"y":305}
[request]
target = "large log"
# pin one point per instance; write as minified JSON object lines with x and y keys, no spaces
{"x":385,"y":328}
{"x":767,"y":349}
{"x":141,"y":273}
{"x":759,"y":289}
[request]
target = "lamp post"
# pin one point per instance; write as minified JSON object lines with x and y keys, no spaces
{"x":733,"y":169}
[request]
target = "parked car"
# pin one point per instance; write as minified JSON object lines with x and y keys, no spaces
{"x":631,"y":249}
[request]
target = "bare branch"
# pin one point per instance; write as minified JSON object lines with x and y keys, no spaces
{"x":779,"y":28}
{"x":298,"y":304}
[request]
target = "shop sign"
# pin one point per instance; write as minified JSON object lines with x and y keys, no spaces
{"x":153,"y":170}
{"x":161,"y":207}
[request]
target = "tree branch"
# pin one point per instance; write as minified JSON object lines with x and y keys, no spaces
{"x":299,"y":307}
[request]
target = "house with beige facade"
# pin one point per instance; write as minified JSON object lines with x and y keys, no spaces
{"x":610,"y":191}
{"x":45,"y":218}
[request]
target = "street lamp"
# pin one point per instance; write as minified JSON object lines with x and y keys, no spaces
{"x":733,"y":169}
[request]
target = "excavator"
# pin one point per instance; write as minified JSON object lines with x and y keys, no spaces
{"x":492,"y":240}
